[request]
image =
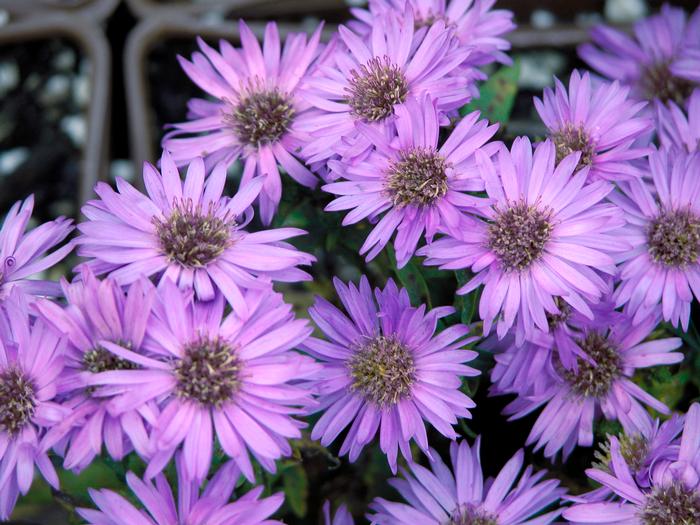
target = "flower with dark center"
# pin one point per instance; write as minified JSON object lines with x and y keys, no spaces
{"x":463,"y":496}
{"x":518,"y":235}
{"x":17,"y":400}
{"x":674,"y":238}
{"x":417,"y":177}
{"x":253,"y":108}
{"x":538,"y":222}
{"x":672,"y":505}
{"x":261,"y":116}
{"x":191,"y":237}
{"x":382,"y":370}
{"x":595,"y":380}
{"x":373,"y":91}
{"x":658,"y":82}
{"x":469,"y":515}
{"x":571,"y":139}
{"x":657,"y":60}
{"x":186,"y":231}
{"x":659,"y":268}
{"x":209,"y":372}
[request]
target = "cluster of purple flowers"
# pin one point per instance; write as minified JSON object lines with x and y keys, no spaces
{"x":172,"y":344}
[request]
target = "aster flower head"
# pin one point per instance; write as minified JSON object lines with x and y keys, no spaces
{"x":678,"y":128}
{"x":255,"y":111}
{"x":599,"y":122}
{"x":211,"y":507}
{"x":234,"y":378}
{"x":31,"y":361}
{"x":673,"y":498}
{"x":659,"y":62}
{"x":366,"y":77}
{"x":599,"y":385}
{"x":475,"y":23}
{"x":463,"y":497}
{"x":546,"y":235}
{"x":409,"y":181}
{"x":98,"y":311}
{"x":188,"y":232}
{"x":662,"y":267}
{"x":385,"y":369}
{"x":23,"y":254}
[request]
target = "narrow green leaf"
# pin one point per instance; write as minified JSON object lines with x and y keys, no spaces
{"x":296,"y":489}
{"x":497,"y":95}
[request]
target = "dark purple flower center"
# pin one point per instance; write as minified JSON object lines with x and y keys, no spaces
{"x":673,"y":238}
{"x":571,"y":139}
{"x":595,"y":380}
{"x":191,"y":237}
{"x":209,"y":372}
{"x":100,"y":360}
{"x":417,"y":177}
{"x":518,"y":235}
{"x":382,"y":370}
{"x":17,"y":400}
{"x":376,"y":88}
{"x":658,"y":82}
{"x":261,"y":117}
{"x":672,"y":505}
{"x":633,"y":449}
{"x":470,"y":515}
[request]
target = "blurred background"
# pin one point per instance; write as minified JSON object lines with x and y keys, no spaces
{"x":86,"y":87}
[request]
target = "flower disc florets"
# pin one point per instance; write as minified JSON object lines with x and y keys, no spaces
{"x":17,"y":400}
{"x":383,"y":370}
{"x":261,"y":117}
{"x":376,"y":88}
{"x":519,"y":234}
{"x":595,"y":379}
{"x":673,"y":238}
{"x":418,"y":177}
{"x":672,"y":505}
{"x":191,"y":237}
{"x":209,"y":372}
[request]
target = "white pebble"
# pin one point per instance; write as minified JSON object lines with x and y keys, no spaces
{"x":542,"y":19}
{"x":55,"y":90}
{"x":9,"y":77}
{"x":75,"y":127}
{"x":81,"y":91}
{"x":121,"y":168}
{"x":11,"y":159}
{"x":625,"y":11}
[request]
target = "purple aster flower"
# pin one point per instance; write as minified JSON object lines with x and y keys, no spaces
{"x":672,"y":499}
{"x":573,"y":399}
{"x":545,"y":236}
{"x":663,"y":264}
{"x":367,"y":77}
{"x":188,"y":232}
{"x":475,"y":23}
{"x":341,"y":517}
{"x":677,"y":128}
{"x":31,"y":361}
{"x":438,"y":496}
{"x":255,"y":112}
{"x":657,"y":62}
{"x":599,"y":122}
{"x":98,"y":311}
{"x":24,"y":254}
{"x":211,"y":507}
{"x":232,"y":377}
{"x":414,"y":185}
{"x":385,"y":370}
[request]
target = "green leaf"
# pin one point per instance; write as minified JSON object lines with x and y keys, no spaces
{"x":296,"y":489}
{"x":466,"y":304}
{"x":497,"y":95}
{"x":414,"y":282}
